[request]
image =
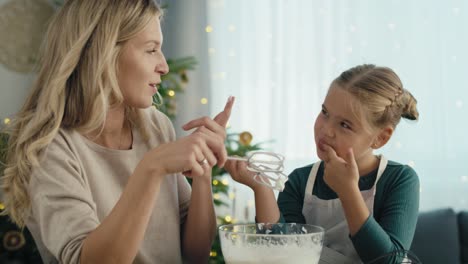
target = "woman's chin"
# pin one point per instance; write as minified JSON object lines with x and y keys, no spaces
{"x":141,"y":104}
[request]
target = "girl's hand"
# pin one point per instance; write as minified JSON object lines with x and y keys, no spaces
{"x":238,"y":171}
{"x":341,"y":174}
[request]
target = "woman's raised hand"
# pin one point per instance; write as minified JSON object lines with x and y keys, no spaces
{"x":197,"y":153}
{"x":215,"y":129}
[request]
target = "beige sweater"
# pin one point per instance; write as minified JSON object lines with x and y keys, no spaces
{"x":78,"y":184}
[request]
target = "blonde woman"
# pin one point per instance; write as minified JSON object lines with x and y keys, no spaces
{"x":93,"y":170}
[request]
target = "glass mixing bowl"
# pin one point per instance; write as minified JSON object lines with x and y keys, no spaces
{"x":271,"y":243}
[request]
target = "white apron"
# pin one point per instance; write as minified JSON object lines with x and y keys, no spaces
{"x":337,"y":246}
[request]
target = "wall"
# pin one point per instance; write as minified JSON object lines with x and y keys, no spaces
{"x":14,"y":86}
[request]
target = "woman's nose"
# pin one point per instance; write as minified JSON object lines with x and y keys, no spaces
{"x":162,"y":67}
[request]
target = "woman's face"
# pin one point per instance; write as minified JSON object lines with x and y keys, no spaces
{"x":141,"y":65}
{"x":339,"y":126}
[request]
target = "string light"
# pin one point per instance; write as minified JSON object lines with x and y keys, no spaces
{"x":216,"y":196}
{"x":232,"y":195}
{"x":204,"y":101}
{"x":222,"y":75}
{"x":211,"y":51}
{"x":171,"y":93}
{"x":6,"y":121}
{"x":209,"y":29}
{"x":225,"y":181}
{"x":213,"y":253}
{"x":228,"y":218}
{"x":215,"y":182}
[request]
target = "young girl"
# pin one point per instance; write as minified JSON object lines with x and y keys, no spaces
{"x":367,"y":204}
{"x":93,"y":170}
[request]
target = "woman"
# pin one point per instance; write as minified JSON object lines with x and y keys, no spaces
{"x":93,"y":170}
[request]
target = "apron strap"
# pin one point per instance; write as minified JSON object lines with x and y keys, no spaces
{"x":311,"y":181}
{"x":382,"y":166}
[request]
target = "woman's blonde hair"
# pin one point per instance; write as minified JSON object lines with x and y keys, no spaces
{"x":76,"y":85}
{"x":380,"y":94}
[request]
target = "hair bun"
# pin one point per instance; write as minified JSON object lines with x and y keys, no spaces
{"x":410,"y":110}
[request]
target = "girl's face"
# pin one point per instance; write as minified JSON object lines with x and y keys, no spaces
{"x":141,"y":65}
{"x":342,"y":126}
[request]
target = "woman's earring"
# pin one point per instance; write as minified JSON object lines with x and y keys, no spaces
{"x":157,"y":99}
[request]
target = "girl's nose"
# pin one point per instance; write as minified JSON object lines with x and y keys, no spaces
{"x":329,"y":131}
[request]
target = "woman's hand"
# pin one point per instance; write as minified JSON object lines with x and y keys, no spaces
{"x":215,"y":129}
{"x":185,"y":154}
{"x":199,"y":229}
{"x":341,"y":174}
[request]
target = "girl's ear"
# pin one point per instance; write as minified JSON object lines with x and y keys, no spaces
{"x":383,"y":137}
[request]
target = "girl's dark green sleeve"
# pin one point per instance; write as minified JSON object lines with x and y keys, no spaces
{"x":392,"y":225}
{"x":291,"y":200}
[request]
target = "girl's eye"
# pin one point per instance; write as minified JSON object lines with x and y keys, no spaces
{"x":152,"y":51}
{"x":324,"y":112}
{"x":345,"y":125}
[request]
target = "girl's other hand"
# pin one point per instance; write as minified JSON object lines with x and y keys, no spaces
{"x":340,"y":174}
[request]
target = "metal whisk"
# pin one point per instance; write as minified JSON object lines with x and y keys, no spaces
{"x":268,"y":167}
